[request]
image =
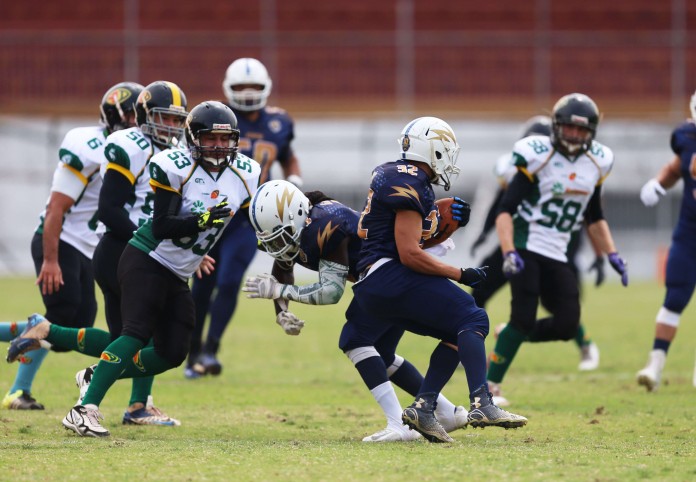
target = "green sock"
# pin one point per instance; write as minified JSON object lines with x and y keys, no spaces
{"x":114,"y":360}
{"x":509,"y":341}
{"x":145,"y":363}
{"x":142,"y":388}
{"x":580,"y":338}
{"x":90,"y":341}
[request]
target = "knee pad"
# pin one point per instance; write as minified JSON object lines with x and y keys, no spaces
{"x":356,"y":355}
{"x":667,"y":317}
{"x":396,"y":364}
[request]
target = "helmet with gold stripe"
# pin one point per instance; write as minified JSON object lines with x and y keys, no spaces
{"x":161,"y":112}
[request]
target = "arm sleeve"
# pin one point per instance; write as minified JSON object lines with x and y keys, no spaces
{"x":166,"y":223}
{"x":517,"y":190}
{"x":594,"y":211}
{"x":113,"y":196}
{"x":328,"y":291}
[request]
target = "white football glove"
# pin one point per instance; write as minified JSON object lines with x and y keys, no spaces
{"x":290,"y":323}
{"x":650,"y":192}
{"x":262,"y":286}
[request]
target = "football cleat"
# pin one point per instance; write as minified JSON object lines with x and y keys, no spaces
{"x":589,"y":357}
{"x":137,"y":414}
{"x":451,"y":422}
{"x":484,"y":413}
{"x":32,"y":338}
{"x":497,"y":393}
{"x":85,"y":422}
{"x":420,"y":416}
{"x":207,"y":364}
{"x":82,"y":379}
{"x":651,"y":375}
{"x":392,"y":434}
{"x":20,"y":400}
{"x":191,"y":374}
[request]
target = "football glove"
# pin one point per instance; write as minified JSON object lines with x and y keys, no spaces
{"x":262,"y":286}
{"x":650,"y":192}
{"x":598,"y":266}
{"x":214,"y":216}
{"x":620,"y":266}
{"x":461,"y":211}
{"x":512,"y":263}
{"x":473,"y":276}
{"x":290,"y":323}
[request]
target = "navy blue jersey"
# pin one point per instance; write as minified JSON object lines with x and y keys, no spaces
{"x":266,"y":139}
{"x":683,"y":144}
{"x":328,"y":224}
{"x":397,"y":185}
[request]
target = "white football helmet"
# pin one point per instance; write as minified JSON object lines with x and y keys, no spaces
{"x":432,"y":141}
{"x":692,"y":106}
{"x":278,"y":213}
{"x":247,"y":71}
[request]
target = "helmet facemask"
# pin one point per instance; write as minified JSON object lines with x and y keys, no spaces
{"x":573,"y":144}
{"x":161,"y":133}
{"x":215,"y":156}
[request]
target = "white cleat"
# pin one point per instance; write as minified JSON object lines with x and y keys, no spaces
{"x":650,"y":376}
{"x":391,"y":434}
{"x":82,"y":379}
{"x":589,"y":357}
{"x":455,"y":421}
{"x":85,"y":422}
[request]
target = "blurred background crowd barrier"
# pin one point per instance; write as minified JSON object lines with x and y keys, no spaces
{"x":351,"y":74}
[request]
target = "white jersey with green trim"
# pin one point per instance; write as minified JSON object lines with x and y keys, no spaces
{"x":81,"y":154}
{"x":563,"y":187}
{"x":174,"y":169}
{"x":129,"y":151}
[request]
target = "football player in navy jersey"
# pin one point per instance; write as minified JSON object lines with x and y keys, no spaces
{"x":681,"y":261}
{"x":266,"y":136}
{"x":400,"y":283}
{"x":320,"y":234}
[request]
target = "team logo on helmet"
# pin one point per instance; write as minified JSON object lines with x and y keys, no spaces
{"x":405,"y":143}
{"x":118,"y":96}
{"x":144,"y":96}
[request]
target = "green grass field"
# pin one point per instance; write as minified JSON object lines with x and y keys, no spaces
{"x":293,"y":408}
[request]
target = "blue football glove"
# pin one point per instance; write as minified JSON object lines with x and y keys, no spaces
{"x":473,"y":276}
{"x":461,"y":211}
{"x":620,"y":266}
{"x":512,"y":263}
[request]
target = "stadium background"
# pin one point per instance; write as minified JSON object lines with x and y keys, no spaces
{"x":351,"y":74}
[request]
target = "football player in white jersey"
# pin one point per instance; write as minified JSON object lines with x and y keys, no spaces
{"x":505,"y":170}
{"x":125,"y":203}
{"x":65,"y":240}
{"x":197,"y":191}
{"x":557,"y":188}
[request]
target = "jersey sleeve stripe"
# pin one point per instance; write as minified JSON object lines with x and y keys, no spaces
{"x":129,"y":175}
{"x":79,"y":175}
{"x":156,"y":184}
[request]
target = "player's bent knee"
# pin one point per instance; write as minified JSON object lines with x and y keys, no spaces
{"x":478,"y":322}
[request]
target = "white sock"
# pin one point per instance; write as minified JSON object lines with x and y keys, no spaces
{"x":445,"y":408}
{"x":386,"y":397}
